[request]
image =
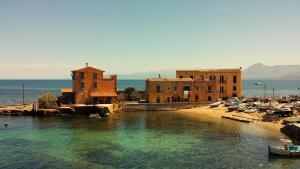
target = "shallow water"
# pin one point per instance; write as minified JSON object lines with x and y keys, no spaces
{"x":135,"y":139}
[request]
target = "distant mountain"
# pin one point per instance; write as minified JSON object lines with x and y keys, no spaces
{"x":278,"y":72}
{"x":256,"y":71}
{"x":151,"y":74}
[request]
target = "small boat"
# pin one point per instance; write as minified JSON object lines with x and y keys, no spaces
{"x":236,"y":118}
{"x":257,"y":83}
{"x":241,"y":109}
{"x":250,"y":110}
{"x":217,"y":104}
{"x":288,"y":149}
{"x":283,"y":112}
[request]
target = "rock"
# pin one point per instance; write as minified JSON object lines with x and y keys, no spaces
{"x":95,"y":116}
{"x":292,"y":131}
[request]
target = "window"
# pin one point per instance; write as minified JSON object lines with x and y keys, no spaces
{"x":196,"y":98}
{"x":234,"y":88}
{"x":158,"y":89}
{"x":95,"y":76}
{"x":191,"y":76}
{"x":234,"y":80}
{"x":82,"y":85}
{"x":186,"y":88}
{"x":209,"y":89}
{"x":180,"y":76}
{"x":82,"y":75}
{"x":212,"y":77}
{"x":234,"y":95}
{"x":168,"y":99}
{"x":175,"y":88}
{"x":209,"y":98}
{"x":73,"y":75}
{"x":95,"y":85}
{"x":202,"y":77}
{"x":221,"y":79}
{"x":158,"y":100}
{"x":197,"y":88}
{"x":221,"y":89}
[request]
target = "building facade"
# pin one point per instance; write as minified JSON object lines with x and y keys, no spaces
{"x":89,"y":86}
{"x":195,"y":85}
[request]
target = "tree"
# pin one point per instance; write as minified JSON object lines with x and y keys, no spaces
{"x":48,"y":101}
{"x":131,"y":94}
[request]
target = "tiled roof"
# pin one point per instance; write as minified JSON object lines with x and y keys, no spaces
{"x":211,"y":70}
{"x":170,"y":79}
{"x":88,"y":67}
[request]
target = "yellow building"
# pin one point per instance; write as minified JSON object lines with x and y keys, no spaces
{"x":195,"y":85}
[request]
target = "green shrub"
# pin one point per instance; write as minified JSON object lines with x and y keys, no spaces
{"x":131,"y":94}
{"x":48,"y":101}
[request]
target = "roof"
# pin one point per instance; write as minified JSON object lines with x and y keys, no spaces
{"x":88,"y":67}
{"x":104,"y":94}
{"x":170,"y":79}
{"x":66,"y":90}
{"x":211,"y":70}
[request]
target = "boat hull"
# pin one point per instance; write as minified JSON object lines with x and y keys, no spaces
{"x":280,"y":151}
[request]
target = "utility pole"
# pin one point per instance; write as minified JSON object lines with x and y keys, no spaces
{"x":273,"y":92}
{"x":23,"y":94}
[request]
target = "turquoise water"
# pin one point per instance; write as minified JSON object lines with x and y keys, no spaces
{"x":11,"y":90}
{"x":135,"y":140}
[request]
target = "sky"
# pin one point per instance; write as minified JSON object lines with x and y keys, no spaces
{"x":46,"y":39}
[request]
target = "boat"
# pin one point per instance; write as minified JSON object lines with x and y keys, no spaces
{"x":241,"y":109}
{"x":250,"y":110}
{"x":236,"y":118}
{"x":232,"y":108}
{"x":287,"y":149}
{"x":257,"y":83}
{"x":234,"y":101}
{"x":216,"y":104}
{"x":291,"y":120}
{"x":283,"y":112}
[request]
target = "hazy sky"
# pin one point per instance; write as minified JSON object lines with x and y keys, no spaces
{"x":46,"y":39}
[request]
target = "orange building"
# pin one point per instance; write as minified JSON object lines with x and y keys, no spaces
{"x":89,"y":86}
{"x":195,"y":85}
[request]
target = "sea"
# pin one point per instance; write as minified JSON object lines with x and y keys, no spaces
{"x":11,"y":91}
{"x":136,"y":140}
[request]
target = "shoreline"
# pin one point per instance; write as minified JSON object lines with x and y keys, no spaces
{"x":207,"y":114}
{"x":202,"y":113}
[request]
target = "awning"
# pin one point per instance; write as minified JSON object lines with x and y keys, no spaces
{"x":104,"y":94}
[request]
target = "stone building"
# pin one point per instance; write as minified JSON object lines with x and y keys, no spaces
{"x":89,"y":86}
{"x":195,"y":85}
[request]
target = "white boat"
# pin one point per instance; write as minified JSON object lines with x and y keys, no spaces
{"x":257,"y":83}
{"x":288,"y":149}
{"x":217,"y":104}
{"x":250,"y":110}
